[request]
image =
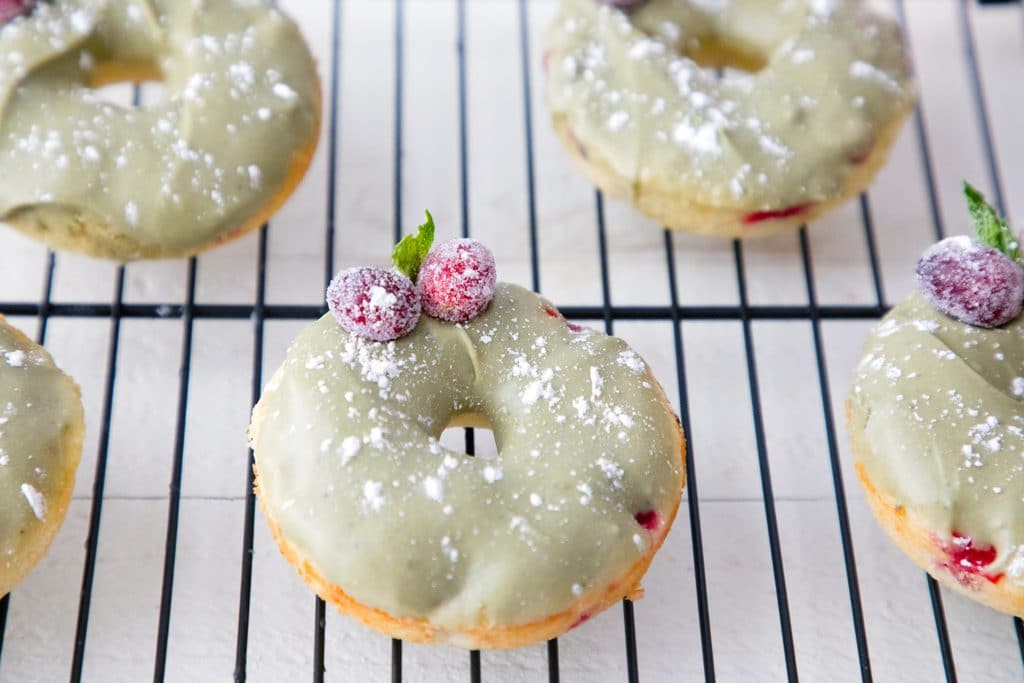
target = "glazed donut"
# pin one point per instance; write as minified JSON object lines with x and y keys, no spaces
{"x":824,"y":88}
{"x":41,"y":429}
{"x":231,"y":139}
{"x":937,"y":426}
{"x":430,"y":545}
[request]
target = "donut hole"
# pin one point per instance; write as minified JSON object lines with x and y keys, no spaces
{"x":477,"y":441}
{"x":723,"y":57}
{"x":114,"y":82}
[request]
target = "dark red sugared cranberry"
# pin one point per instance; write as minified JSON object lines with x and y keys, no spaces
{"x":10,"y":9}
{"x":374,"y":303}
{"x":648,"y":519}
{"x":788,"y":212}
{"x":972,"y":282}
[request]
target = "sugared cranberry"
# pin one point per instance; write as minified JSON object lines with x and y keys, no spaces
{"x":788,"y":212}
{"x":972,"y":282}
{"x":9,"y":9}
{"x":967,"y":562}
{"x":374,"y":303}
{"x":648,"y":519}
{"x":457,"y":280}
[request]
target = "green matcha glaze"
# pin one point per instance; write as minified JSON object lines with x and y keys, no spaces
{"x":240,"y":112}
{"x":352,"y":472}
{"x":40,"y":443}
{"x":938,"y":422}
{"x":826,"y":78}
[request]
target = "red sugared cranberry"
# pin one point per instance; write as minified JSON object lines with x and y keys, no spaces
{"x":457,"y":280}
{"x":972,"y":282}
{"x":648,"y":519}
{"x":788,"y":212}
{"x":374,"y":303}
{"x":9,"y":9}
{"x":967,"y":562}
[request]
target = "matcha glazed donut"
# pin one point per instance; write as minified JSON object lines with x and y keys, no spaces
{"x":41,"y":430}
{"x":822,"y":89}
{"x":936,"y":416}
{"x":428,"y":544}
{"x":232,"y":138}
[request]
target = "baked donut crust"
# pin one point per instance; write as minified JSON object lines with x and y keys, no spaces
{"x":479,"y":620}
{"x":635,"y":103}
{"x":206,"y":195}
{"x":484,"y":637}
{"x":919,"y":544}
{"x":937,"y":434}
{"x":671,"y":209}
{"x":55,"y":452}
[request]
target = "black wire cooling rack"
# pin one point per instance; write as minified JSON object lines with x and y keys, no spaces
{"x":744,"y":313}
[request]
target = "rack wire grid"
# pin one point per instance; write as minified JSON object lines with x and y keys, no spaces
{"x":775,"y":568}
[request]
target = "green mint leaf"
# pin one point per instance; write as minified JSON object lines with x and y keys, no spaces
{"x":992,"y":230}
{"x":410,"y":252}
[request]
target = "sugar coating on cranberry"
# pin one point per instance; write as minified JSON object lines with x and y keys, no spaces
{"x":457,"y":279}
{"x":374,"y":303}
{"x":972,"y":282}
{"x":9,"y":9}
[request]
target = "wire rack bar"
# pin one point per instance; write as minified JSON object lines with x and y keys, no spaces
{"x":692,"y":495}
{"x":396,"y":645}
{"x":248,"y":524}
{"x":171,"y":311}
{"x":174,"y":493}
{"x":778,"y":572}
{"x":99,"y":482}
{"x":842,"y":512}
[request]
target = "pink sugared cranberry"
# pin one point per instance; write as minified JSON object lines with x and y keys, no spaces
{"x":457,"y":280}
{"x":972,"y":282}
{"x":967,"y":562}
{"x":9,"y":9}
{"x":374,"y":303}
{"x":648,"y":519}
{"x":775,"y":214}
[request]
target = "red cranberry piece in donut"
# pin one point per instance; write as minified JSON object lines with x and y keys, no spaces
{"x":775,"y":214}
{"x":10,"y":9}
{"x":972,"y":282}
{"x":967,"y":561}
{"x":374,"y":303}
{"x":648,"y":519}
{"x":457,"y":279}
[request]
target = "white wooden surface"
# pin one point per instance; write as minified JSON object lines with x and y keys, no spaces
{"x":744,"y":619}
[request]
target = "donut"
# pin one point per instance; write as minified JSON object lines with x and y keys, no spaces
{"x":802,"y":122}
{"x":430,"y":545}
{"x":937,"y":423}
{"x":41,"y":430}
{"x":233,"y":136}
